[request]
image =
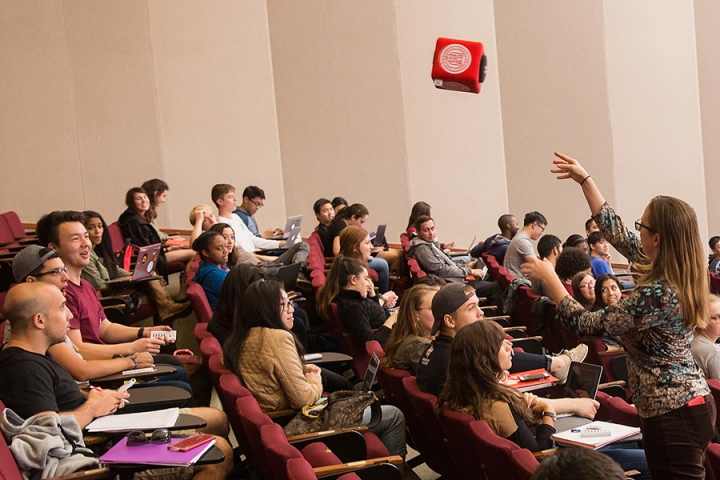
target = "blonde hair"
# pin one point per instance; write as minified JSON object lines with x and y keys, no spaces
{"x":680,"y":258}
{"x":196,"y":209}
{"x":408,"y":322}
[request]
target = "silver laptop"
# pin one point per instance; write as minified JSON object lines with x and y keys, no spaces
{"x":290,"y":224}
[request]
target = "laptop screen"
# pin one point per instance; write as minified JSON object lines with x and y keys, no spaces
{"x":583,"y":380}
{"x":371,"y":372}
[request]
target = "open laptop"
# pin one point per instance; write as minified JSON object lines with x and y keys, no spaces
{"x":370,"y":374}
{"x":582,"y":382}
{"x":288,"y":275}
{"x":379,"y":239}
{"x":466,"y":252}
{"x":290,"y":224}
{"x":145,"y":265}
{"x":289,"y":242}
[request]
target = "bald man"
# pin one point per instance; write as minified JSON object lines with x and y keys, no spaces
{"x":31,"y":383}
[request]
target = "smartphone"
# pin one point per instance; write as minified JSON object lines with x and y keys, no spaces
{"x":535,"y":376}
{"x":191,"y":442}
{"x":127,"y":385}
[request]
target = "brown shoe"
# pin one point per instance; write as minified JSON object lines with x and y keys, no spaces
{"x":170,"y":312}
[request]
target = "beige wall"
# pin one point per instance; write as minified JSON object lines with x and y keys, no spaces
{"x":335,"y":98}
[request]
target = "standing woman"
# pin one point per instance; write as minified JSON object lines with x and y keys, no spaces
{"x":655,"y":323}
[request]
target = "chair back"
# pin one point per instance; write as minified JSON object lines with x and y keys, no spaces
{"x":712,"y":461}
{"x":523,"y":308}
{"x":192,"y":268}
{"x":117,"y":239}
{"x":316,"y":261}
{"x":423,"y":404}
{"x":715,"y":390}
{"x":494,"y":451}
{"x":278,"y":450}
{"x":360,"y":357}
{"x":9,"y":469}
{"x":201,"y":332}
{"x":199,"y":302}
{"x":217,"y":368}
{"x":524,"y":462}
{"x":253,"y":419}
{"x":714,"y":284}
{"x":15,"y":225}
{"x":6,"y":235}
{"x":456,"y":427}
{"x":622,"y":412}
{"x":229,"y":391}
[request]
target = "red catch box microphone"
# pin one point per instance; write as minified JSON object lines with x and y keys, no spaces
{"x":459,"y":65}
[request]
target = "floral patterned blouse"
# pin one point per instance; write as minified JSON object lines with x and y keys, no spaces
{"x":662,"y":373}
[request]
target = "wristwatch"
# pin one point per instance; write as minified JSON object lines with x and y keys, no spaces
{"x":550,"y":414}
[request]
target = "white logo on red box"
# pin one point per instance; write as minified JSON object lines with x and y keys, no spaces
{"x":455,"y":58}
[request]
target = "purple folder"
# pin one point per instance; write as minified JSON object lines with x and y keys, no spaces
{"x":154,"y":454}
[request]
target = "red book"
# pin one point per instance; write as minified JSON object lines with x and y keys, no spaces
{"x":531,"y":380}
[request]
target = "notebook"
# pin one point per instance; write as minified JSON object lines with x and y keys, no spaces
{"x":145,"y":264}
{"x":575,"y":436}
{"x":514,"y":380}
{"x":135,"y":421}
{"x":154,"y":454}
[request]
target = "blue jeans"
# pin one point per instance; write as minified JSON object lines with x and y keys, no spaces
{"x":382,"y":268}
{"x":629,"y":457}
{"x":391,"y":429}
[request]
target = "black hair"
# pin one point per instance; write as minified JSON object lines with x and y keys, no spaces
{"x":48,"y":226}
{"x":104,"y":249}
{"x":356,"y":210}
{"x":570,"y":262}
{"x":420,"y":220}
{"x":231,"y":295}
{"x":219,"y":227}
{"x":337,"y":201}
{"x":573,"y":240}
{"x":340,"y":271}
{"x":712,"y":243}
{"x":504,"y":220}
{"x":588,"y":223}
{"x":546,"y":244}
{"x":598,"y":304}
{"x":154,"y":188}
{"x":534,"y":217}
{"x":252,"y":191}
{"x":319,"y":203}
{"x":204,"y":241}
{"x":595,"y":237}
{"x":260,"y":308}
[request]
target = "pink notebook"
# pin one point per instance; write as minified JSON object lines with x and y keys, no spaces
{"x":154,"y":454}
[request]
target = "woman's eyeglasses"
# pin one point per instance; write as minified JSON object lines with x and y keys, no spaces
{"x":137,"y":438}
{"x":639,"y":225}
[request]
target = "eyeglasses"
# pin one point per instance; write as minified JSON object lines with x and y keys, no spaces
{"x":639,"y":225}
{"x":715,"y":319}
{"x":257,"y":204}
{"x":137,"y":438}
{"x":542,"y":227}
{"x":587,"y":284}
{"x":286,"y":306}
{"x":55,"y":272}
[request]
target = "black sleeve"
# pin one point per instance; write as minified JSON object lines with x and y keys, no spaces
{"x":525,"y":439}
{"x":358,"y":325}
{"x":220,"y":330}
{"x":478,"y":250}
{"x":28,"y":388}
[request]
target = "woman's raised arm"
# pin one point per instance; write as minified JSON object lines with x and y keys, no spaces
{"x":566,"y":167}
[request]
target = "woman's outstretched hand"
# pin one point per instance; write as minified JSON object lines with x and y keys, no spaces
{"x":566,"y":167}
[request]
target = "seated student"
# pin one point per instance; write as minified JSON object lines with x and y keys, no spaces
{"x":714,"y":260}
{"x":355,"y":216}
{"x":253,"y":199}
{"x":583,"y":287}
{"x":156,"y":191}
{"x":355,"y":243}
{"x":338,"y":203}
{"x":418,"y":210}
{"x":599,"y":254}
{"x":348,"y":286}
{"x":576,"y":241}
{"x":411,"y":333}
{"x":324,"y":213}
{"x":521,"y":245}
{"x":608,"y":291}
{"x":231,"y":297}
{"x":40,"y":264}
{"x":104,"y":267}
{"x":590,"y":227}
{"x":236,"y":255}
{"x":570,"y":463}
{"x":549,"y":247}
{"x":135,"y":225}
{"x":570,"y":262}
{"x":496,"y":245}
{"x":90,"y":331}
{"x":267,"y":356}
{"x":453,"y":309}
{"x":705,"y":349}
{"x":479,"y":360}
{"x":433,"y":260}
{"x":32,"y":383}
{"x":223,"y":195}
{"x":213,"y":265}
{"x":201,"y":219}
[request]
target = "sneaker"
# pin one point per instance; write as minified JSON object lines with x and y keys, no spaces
{"x":576,"y":354}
